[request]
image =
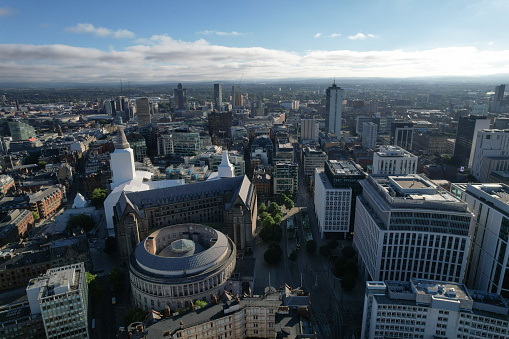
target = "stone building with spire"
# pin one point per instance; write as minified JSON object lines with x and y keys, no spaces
{"x":137,"y":206}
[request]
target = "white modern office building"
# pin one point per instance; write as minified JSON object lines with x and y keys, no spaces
{"x":490,"y":153}
{"x":369,"y":134}
{"x":336,"y":187}
{"x":309,"y":129}
{"x":408,"y":227}
{"x":489,"y":256}
{"x":394,"y":160}
{"x":422,"y":308}
{"x":334,"y":106}
{"x":61,"y":298}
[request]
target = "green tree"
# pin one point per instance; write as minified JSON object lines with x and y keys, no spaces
{"x":277,"y":219}
{"x":311,"y":246}
{"x":324,"y":250}
{"x":98,"y":196}
{"x":333,"y":244}
{"x":95,"y":288}
{"x":348,"y":282}
{"x":276,"y":211}
{"x":200,"y":303}
{"x":80,"y":222}
{"x":272,"y":207}
{"x":268,"y":221}
{"x":134,"y":315}
{"x":348,"y":252}
{"x":262,"y":208}
{"x":264,"y":215}
{"x":289,"y":204}
{"x":36,"y":215}
{"x":110,"y":245}
{"x":116,"y":279}
{"x":42,"y":164}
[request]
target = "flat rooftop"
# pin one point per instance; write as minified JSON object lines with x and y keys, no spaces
{"x":448,"y":290}
{"x":344,"y":167}
{"x":393,"y":151}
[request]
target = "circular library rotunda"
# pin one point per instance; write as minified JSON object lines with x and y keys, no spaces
{"x":179,"y":264}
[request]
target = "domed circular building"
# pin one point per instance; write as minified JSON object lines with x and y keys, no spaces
{"x":179,"y":264}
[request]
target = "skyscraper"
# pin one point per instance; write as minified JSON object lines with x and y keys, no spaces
{"x":218,"y":97}
{"x":369,"y":134}
{"x":498,"y":100}
{"x":334,"y":101}
{"x":466,"y":137}
{"x":143,"y":109}
{"x":180,"y":97}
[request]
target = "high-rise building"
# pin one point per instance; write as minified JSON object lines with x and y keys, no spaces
{"x":491,"y":153}
{"x":143,"y":111}
{"x":360,"y":120}
{"x":369,"y":134}
{"x":61,"y":298}
{"x":393,"y":160}
{"x":402,"y":134}
{"x":333,"y":106}
{"x":20,"y":130}
{"x":408,"y":227}
{"x":179,"y":94}
{"x":336,"y":188}
{"x":312,"y":158}
{"x":138,"y":145}
{"x":218,"y":97}
{"x":309,"y":129}
{"x":220,"y":123}
{"x":422,"y":308}
{"x":186,"y":142}
{"x":489,"y":254}
{"x":466,"y":137}
{"x":498,"y":105}
{"x":286,"y":177}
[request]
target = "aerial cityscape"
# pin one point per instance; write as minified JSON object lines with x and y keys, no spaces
{"x":254,"y":170}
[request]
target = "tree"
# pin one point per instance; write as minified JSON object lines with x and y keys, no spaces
{"x":200,"y":303}
{"x":268,"y":221}
{"x":276,"y":211}
{"x":324,"y":250}
{"x":262,"y":208}
{"x":311,"y":246}
{"x":264,"y":215}
{"x":80,"y":222}
{"x":110,"y":245}
{"x":289,"y":204}
{"x":348,"y":252}
{"x":348,"y":282}
{"x":333,"y":244}
{"x":42,"y":164}
{"x":278,"y":219}
{"x":116,"y":279}
{"x":273,"y":254}
{"x":134,"y":315}
{"x":95,"y":288}
{"x":272,"y":207}
{"x":98,"y":196}
{"x":36,"y":215}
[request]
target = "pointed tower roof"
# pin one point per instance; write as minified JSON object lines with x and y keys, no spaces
{"x":226,"y":169}
{"x":121,"y":142}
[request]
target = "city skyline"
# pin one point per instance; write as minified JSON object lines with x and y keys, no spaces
{"x":102,"y":42}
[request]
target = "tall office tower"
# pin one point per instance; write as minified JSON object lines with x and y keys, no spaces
{"x":143,"y":111}
{"x":233,"y":96}
{"x":309,"y":129}
{"x":336,"y":189}
{"x":286,"y":177}
{"x":466,"y":137}
{"x":61,"y":298}
{"x":239,"y":100}
{"x":402,"y":134}
{"x":179,"y":94}
{"x":422,"y":308}
{"x":334,"y":97}
{"x":369,"y":134}
{"x":257,"y":108}
{"x":489,"y":254}
{"x":498,"y":100}
{"x":408,"y":227}
{"x":218,"y":97}
{"x":108,"y":107}
{"x":360,"y":120}
{"x":393,"y":160}
{"x":491,"y":153}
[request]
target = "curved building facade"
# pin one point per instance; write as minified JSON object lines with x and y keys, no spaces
{"x":179,"y":264}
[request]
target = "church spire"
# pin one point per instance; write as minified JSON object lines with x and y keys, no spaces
{"x":121,"y":142}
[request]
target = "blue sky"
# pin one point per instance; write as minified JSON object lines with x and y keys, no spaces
{"x":157,"y":41}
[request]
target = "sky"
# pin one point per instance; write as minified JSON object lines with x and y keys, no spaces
{"x":177,"y":41}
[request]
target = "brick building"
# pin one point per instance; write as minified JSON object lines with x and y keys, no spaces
{"x":15,"y":225}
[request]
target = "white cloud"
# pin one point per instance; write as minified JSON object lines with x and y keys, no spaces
{"x":335,"y":35}
{"x":361,"y":36}
{"x":164,"y":58}
{"x":6,"y":11}
{"x":232,"y":33}
{"x":317,"y":35}
{"x":84,"y":28}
